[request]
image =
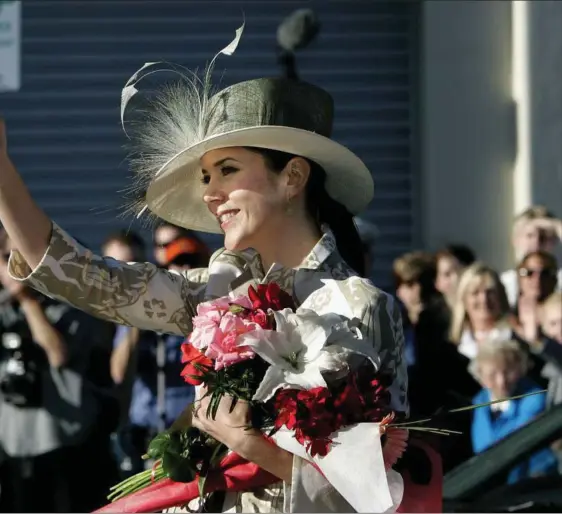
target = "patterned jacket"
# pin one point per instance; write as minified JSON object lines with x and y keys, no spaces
{"x":142,"y":295}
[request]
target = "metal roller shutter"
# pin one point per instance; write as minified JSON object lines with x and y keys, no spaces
{"x":64,"y":129}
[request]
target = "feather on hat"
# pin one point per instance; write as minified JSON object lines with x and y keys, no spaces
{"x":190,"y":118}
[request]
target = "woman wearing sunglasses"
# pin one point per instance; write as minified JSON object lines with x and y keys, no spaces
{"x":536,"y":275}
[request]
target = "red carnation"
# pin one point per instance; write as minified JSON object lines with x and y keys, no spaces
{"x":196,"y":364}
{"x":261,"y":318}
{"x":286,"y":407}
{"x":270,"y":296}
{"x":349,"y":404}
{"x":310,"y":414}
{"x":315,"y":414}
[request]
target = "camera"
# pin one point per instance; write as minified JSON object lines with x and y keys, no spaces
{"x":20,"y":382}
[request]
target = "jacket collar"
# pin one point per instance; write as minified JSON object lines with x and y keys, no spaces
{"x":285,"y":277}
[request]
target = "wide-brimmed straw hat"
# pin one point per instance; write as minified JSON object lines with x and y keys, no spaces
{"x":273,"y":113}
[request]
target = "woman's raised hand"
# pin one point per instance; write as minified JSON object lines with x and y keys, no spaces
{"x":27,"y":225}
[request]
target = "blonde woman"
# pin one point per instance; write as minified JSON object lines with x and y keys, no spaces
{"x":501,"y":367}
{"x":480,"y":311}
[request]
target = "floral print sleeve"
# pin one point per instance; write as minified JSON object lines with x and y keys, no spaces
{"x":382,"y":325}
{"x":136,"y":294}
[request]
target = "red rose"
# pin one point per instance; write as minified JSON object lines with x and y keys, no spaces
{"x":261,"y":318}
{"x":270,"y":296}
{"x":196,"y":364}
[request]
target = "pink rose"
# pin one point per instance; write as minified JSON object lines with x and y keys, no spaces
{"x":225,"y":349}
{"x":209,"y":315}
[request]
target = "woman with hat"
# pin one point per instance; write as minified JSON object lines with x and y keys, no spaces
{"x":256,"y":163}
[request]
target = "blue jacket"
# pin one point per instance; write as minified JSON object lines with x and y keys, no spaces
{"x":143,"y":410}
{"x":487,"y":430}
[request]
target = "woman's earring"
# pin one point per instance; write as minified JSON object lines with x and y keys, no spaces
{"x":289,"y":207}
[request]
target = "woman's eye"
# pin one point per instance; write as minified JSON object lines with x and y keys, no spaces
{"x":228,"y":169}
{"x":205,"y":179}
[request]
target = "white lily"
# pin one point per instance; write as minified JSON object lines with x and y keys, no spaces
{"x":297,"y":350}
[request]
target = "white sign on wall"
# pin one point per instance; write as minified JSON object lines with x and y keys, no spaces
{"x":10,"y":45}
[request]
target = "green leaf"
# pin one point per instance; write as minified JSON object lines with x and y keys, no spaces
{"x":171,"y":461}
{"x":158,"y":445}
{"x":233,"y":404}
{"x":236,"y":309}
{"x":214,"y":404}
{"x":181,"y":470}
{"x":175,"y":446}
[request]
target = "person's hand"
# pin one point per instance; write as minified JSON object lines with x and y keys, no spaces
{"x":16,"y":288}
{"x":230,"y":425}
{"x":551,"y":226}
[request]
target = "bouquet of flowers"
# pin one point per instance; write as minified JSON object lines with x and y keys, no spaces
{"x":292,"y":367}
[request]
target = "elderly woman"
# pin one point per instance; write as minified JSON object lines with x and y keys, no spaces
{"x":500,"y":366}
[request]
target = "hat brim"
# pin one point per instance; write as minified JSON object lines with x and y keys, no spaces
{"x":176,"y":193}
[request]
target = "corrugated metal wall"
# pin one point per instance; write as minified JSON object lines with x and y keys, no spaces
{"x":64,"y":129}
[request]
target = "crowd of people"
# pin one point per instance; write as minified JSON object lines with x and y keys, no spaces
{"x":82,"y":392}
{"x":475,"y":335}
{"x":75,"y":389}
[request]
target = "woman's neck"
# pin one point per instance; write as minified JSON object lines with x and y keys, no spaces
{"x":527,"y":302}
{"x":290,"y":245}
{"x":482,"y":327}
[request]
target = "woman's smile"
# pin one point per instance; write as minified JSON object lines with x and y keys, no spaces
{"x":225,"y":218}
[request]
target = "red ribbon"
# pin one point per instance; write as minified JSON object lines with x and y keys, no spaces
{"x":235,"y":474}
{"x":232,"y":474}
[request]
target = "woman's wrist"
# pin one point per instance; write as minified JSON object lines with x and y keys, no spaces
{"x":254,"y":447}
{"x":243,"y":441}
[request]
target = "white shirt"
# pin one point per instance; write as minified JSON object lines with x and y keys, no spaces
{"x":468,"y":345}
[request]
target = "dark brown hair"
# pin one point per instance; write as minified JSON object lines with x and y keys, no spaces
{"x":416,"y":267}
{"x":323,"y":208}
{"x":462,"y":253}
{"x":551,"y":267}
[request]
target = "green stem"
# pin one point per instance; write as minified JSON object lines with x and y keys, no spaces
{"x":136,"y":483}
{"x":131,"y":479}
